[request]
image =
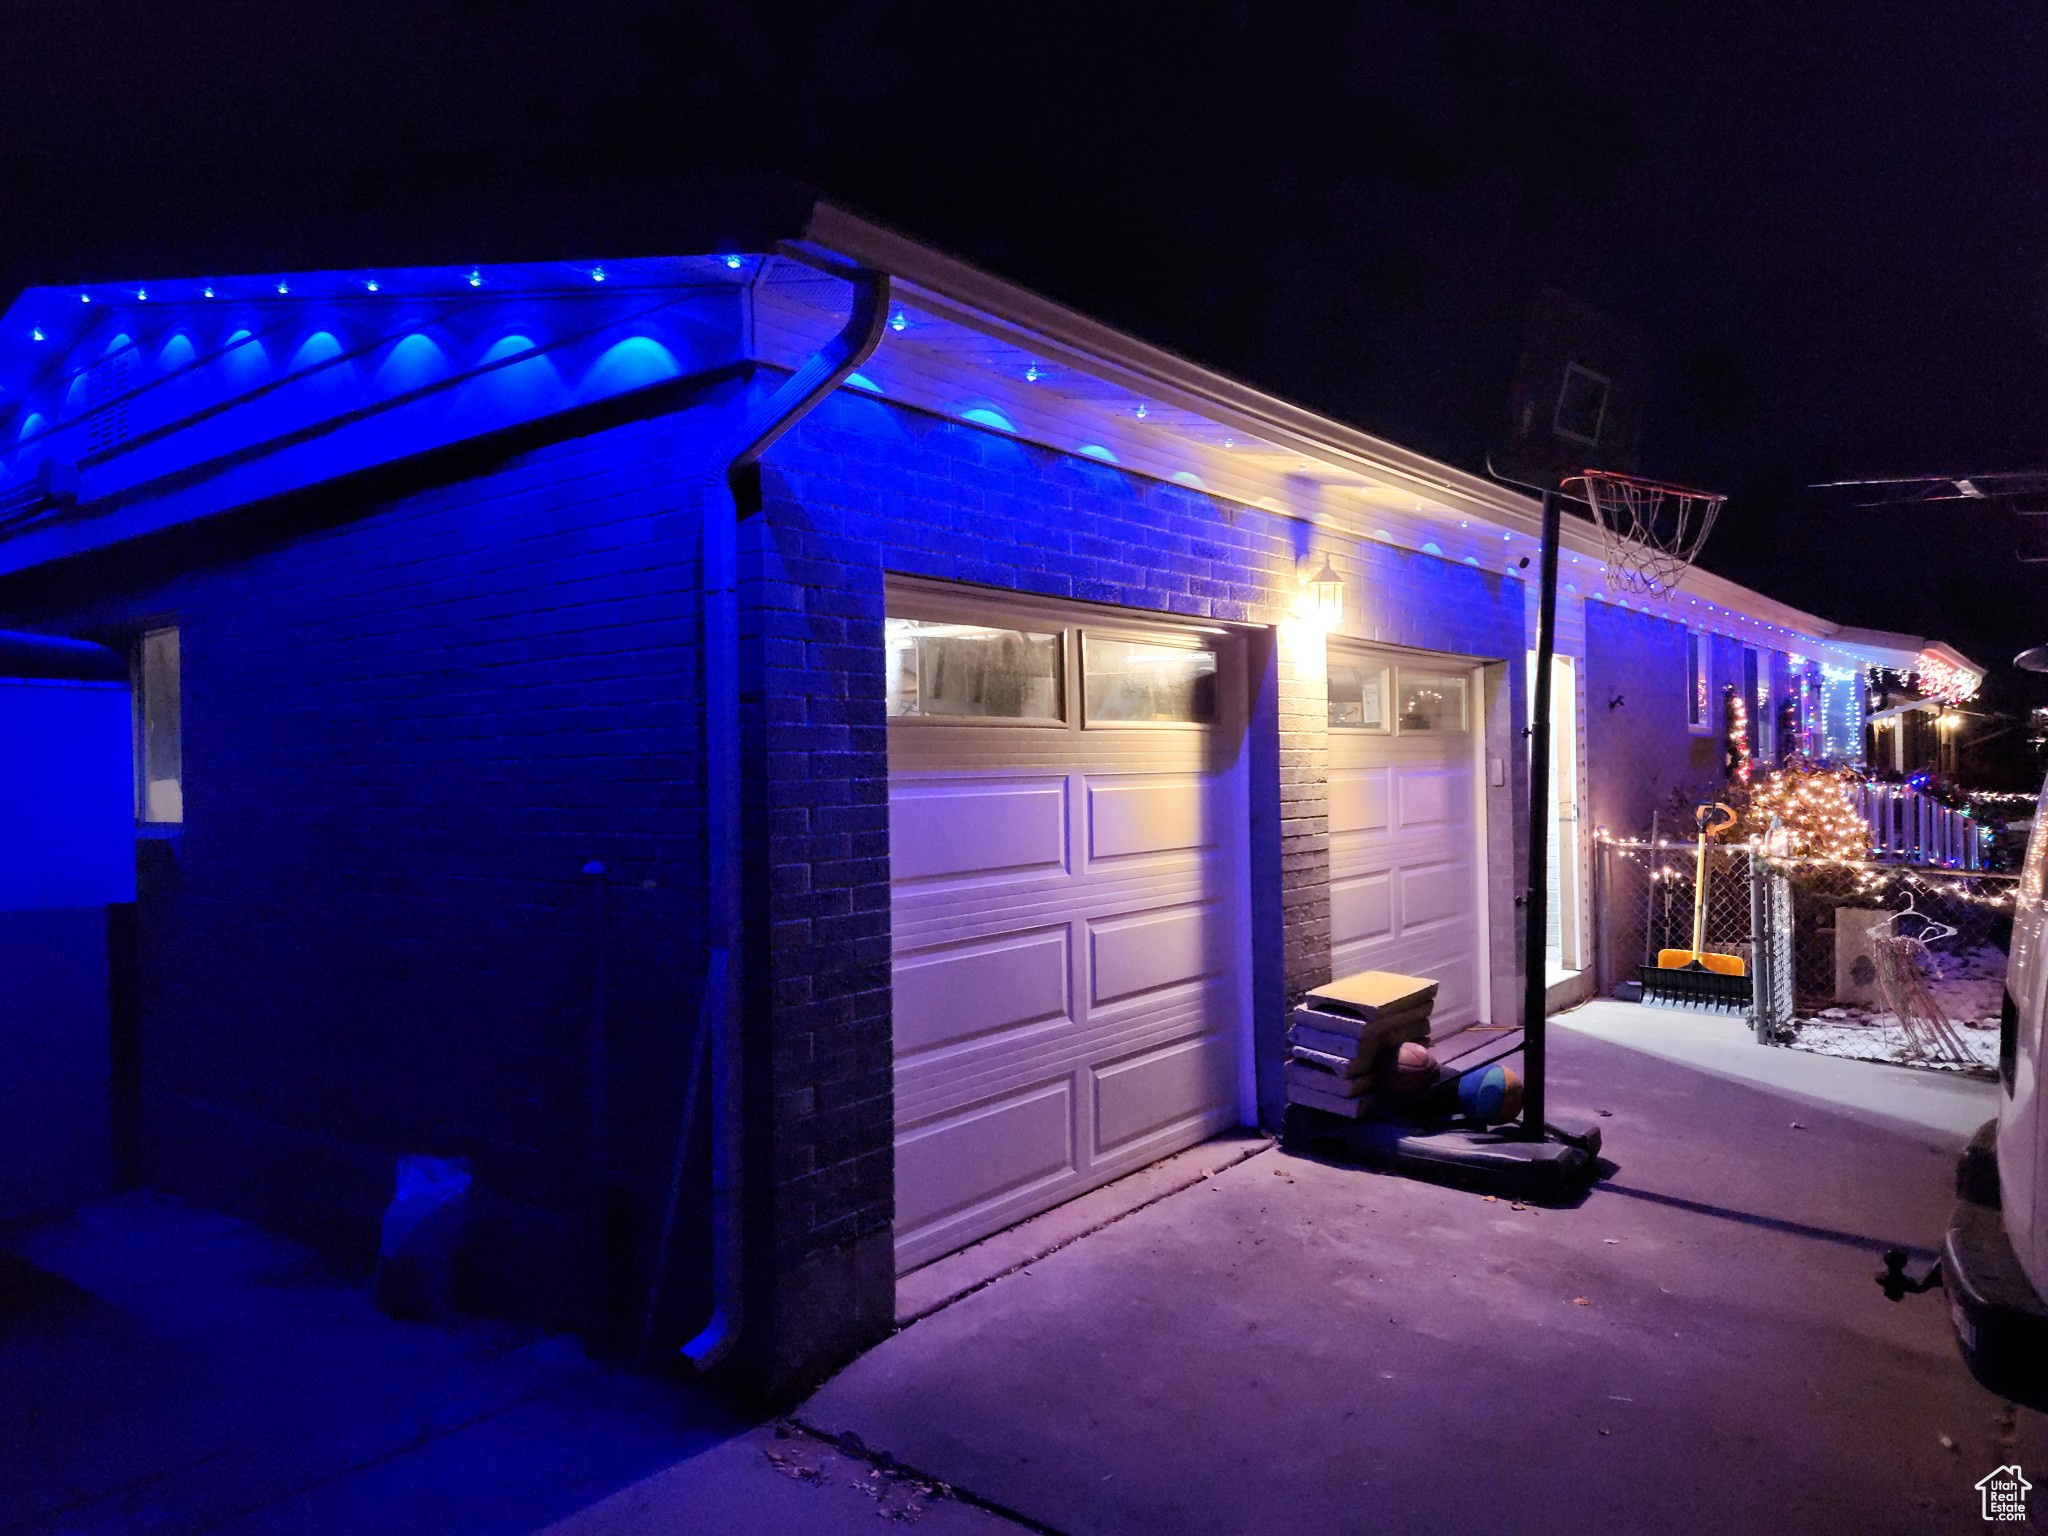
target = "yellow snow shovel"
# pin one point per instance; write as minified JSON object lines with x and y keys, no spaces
{"x":1696,"y":976}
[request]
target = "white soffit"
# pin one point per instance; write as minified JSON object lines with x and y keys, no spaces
{"x":966,"y":345}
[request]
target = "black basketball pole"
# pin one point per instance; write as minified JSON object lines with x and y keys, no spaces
{"x":1535,"y":910}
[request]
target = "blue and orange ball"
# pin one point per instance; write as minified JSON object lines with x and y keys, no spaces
{"x":1492,"y":1095}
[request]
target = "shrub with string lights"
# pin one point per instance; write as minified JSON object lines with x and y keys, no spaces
{"x":1815,"y":808}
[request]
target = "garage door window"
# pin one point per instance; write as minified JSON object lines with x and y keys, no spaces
{"x":1138,"y":682}
{"x":940,"y":670}
{"x":1431,"y":701}
{"x":1358,"y":695}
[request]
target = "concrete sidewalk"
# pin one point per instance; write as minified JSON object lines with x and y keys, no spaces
{"x":1292,"y":1345}
{"x":1944,"y":1108}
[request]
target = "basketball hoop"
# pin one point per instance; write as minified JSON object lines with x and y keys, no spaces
{"x":1651,"y":531}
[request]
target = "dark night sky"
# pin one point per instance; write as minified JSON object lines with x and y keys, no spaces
{"x":1828,"y":217}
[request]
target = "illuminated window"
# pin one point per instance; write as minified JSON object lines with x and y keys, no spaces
{"x":1138,"y":682}
{"x":1430,"y":701}
{"x":1357,"y":696}
{"x":976,"y":671}
{"x":159,"y":746}
{"x":1698,"y":683}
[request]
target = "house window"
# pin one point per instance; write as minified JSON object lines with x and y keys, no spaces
{"x":939,"y":669}
{"x":1698,"y":682}
{"x":159,"y":745}
{"x":1765,"y":729}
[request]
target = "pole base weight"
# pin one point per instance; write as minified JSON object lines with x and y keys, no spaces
{"x":1493,"y":1160}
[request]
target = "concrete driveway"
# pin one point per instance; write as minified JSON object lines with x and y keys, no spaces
{"x":1295,"y":1346}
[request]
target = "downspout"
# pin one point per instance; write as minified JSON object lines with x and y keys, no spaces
{"x":822,"y":373}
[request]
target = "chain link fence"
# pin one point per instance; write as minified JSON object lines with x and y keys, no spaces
{"x":1832,"y":950}
{"x":1644,"y":898}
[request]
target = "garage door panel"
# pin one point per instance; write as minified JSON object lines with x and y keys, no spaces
{"x":1361,"y":907}
{"x":1434,"y":893}
{"x":1149,"y":816}
{"x":973,"y":991}
{"x":958,"y":830}
{"x":934,"y":915}
{"x":1063,"y":920}
{"x":1170,"y":1086}
{"x":1432,"y":796}
{"x":1358,"y":800}
{"x":951,"y":1165}
{"x":941,"y":1082}
{"x":1404,"y":891}
{"x":1151,"y":950}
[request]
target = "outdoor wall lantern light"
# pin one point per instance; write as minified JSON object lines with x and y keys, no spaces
{"x":1327,"y":589}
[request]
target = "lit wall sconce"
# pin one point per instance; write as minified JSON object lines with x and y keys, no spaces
{"x":1326,"y":590}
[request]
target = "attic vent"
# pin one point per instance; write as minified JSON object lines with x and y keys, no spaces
{"x":106,"y":401}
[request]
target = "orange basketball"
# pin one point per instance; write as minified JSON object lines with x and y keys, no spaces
{"x":1408,"y":1071}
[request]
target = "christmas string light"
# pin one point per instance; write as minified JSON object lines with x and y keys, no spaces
{"x":1814,"y":810}
{"x":1738,"y":734}
{"x":1866,"y":875}
{"x":1944,"y":681}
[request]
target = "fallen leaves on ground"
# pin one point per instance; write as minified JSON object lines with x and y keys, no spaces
{"x":792,"y":1467}
{"x":899,"y":1495}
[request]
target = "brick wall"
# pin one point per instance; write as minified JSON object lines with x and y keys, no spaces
{"x":411,"y":716}
{"x":409,"y":722}
{"x":1641,"y":752}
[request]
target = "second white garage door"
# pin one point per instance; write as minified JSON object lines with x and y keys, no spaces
{"x":1065,"y":833}
{"x":1405,"y":837}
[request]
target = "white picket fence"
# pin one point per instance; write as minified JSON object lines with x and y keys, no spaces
{"x":1915,"y":828}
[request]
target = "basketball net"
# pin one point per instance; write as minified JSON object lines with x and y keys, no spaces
{"x":1651,"y":532}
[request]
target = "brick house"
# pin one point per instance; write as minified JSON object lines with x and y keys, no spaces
{"x":789,"y":759}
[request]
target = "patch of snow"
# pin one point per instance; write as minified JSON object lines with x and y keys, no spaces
{"x":1968,"y":985}
{"x":1864,"y":1035}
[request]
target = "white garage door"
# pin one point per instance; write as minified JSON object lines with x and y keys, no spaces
{"x":1404,"y":823}
{"x":1065,"y":830}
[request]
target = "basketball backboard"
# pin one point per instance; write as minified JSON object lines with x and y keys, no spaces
{"x":1578,"y":397}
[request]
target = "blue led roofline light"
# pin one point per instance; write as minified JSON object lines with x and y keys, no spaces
{"x":988,"y":416}
{"x":281,"y":381}
{"x":282,"y":285}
